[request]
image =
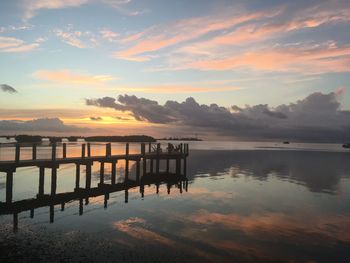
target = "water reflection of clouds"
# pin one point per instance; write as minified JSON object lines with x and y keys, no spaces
{"x":306,"y":168}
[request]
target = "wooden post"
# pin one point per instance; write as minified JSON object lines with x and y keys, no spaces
{"x":41,"y":181}
{"x":167,"y":159}
{"x":157,"y":188}
{"x":151,"y":166}
{"x":102,"y":173}
{"x":157,"y":160}
{"x":88,"y":149}
{"x":108,"y":150}
{"x":53,"y":180}
{"x":17,"y":153}
{"x":178,"y":166}
{"x":88,"y":176}
{"x":127,"y":162}
{"x":62,"y":206}
{"x":64,"y":150}
{"x":137,"y":170}
{"x":34,"y":151}
{"x":9,"y":186}
{"x":180,"y":187}
{"x":114,"y":172}
{"x":149,"y":147}
{"x":53,"y":153}
{"x":77,"y":176}
{"x":83,"y":151}
{"x":144,"y":160}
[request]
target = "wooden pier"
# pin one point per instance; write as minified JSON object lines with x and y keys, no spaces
{"x":153,"y":155}
{"x":150,"y":155}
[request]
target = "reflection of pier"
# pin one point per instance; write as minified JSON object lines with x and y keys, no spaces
{"x":147,"y":175}
{"x":81,"y":194}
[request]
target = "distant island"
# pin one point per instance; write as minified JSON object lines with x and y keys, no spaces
{"x":53,"y":139}
{"x":180,"y":139}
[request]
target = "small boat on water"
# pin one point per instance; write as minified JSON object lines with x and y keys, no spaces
{"x":286,"y":142}
{"x":346,"y":145}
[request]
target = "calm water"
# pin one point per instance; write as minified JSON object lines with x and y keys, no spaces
{"x":245,"y":202}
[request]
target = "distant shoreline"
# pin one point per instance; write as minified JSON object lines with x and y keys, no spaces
{"x":53,"y":139}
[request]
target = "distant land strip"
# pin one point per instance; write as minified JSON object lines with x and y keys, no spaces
{"x":53,"y":139}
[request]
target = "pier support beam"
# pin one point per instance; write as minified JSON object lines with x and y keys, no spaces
{"x":102,"y":173}
{"x":137,"y":170}
{"x":88,"y":176}
{"x":157,"y":159}
{"x":34,"y":152}
{"x":41,"y":181}
{"x":9,"y":186}
{"x":114,"y":172}
{"x":77,"y":176}
{"x":151,"y":166}
{"x":178,"y":166}
{"x":53,"y":180}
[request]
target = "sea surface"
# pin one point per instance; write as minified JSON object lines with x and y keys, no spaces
{"x":241,"y":202}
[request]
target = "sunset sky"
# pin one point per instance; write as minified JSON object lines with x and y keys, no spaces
{"x":244,"y":69}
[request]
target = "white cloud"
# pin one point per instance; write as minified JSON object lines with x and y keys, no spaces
{"x":14,"y":45}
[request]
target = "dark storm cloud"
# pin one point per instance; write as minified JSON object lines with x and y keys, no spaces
{"x":37,"y":125}
{"x":318,"y":117}
{"x":7,"y":88}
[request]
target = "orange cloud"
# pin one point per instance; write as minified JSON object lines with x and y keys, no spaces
{"x":154,"y":38}
{"x":303,"y":60}
{"x":67,"y":76}
{"x":278,"y":224}
{"x":171,"y":88}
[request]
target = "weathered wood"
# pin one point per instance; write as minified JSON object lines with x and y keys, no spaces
{"x":137,"y":171}
{"x":83,"y":151}
{"x":108,"y":149}
{"x":9,"y":186}
{"x":53,"y":181}
{"x":157,"y":160}
{"x":17,"y":153}
{"x":64,"y":151}
{"x":88,"y":176}
{"x":88,"y":149}
{"x":77,"y":176}
{"x":41,"y":181}
{"x":114,"y":172}
{"x":34,"y":152}
{"x":53,"y":152}
{"x":102,"y":172}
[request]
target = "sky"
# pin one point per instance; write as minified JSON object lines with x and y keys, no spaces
{"x":218,"y":69}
